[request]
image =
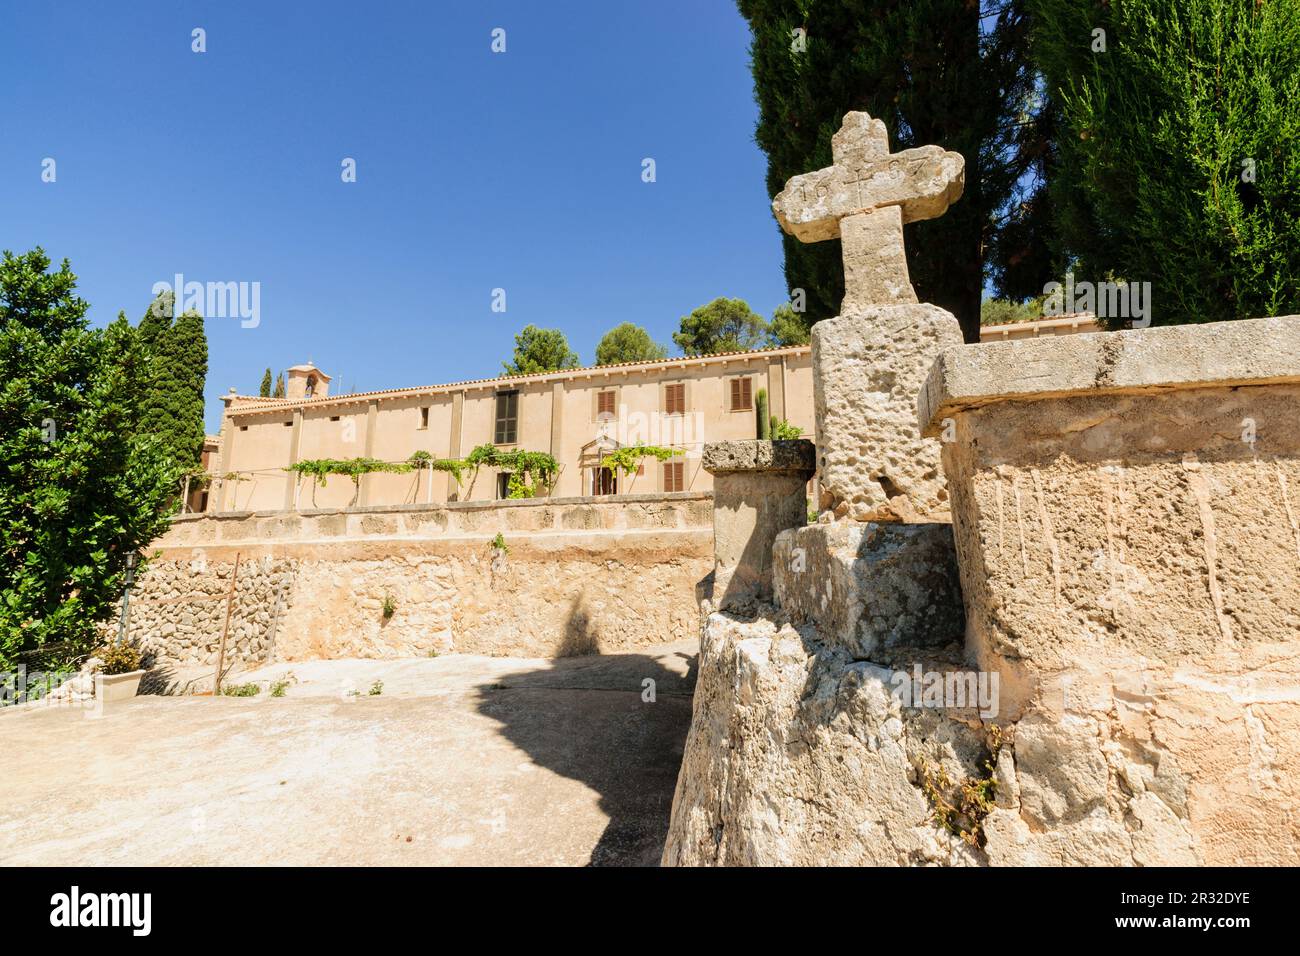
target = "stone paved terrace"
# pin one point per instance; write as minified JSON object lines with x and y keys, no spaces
{"x":461,"y":760}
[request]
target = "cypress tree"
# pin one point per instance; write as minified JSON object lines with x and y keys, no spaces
{"x":190,"y":372}
{"x":265,"y":390}
{"x":279,"y":386}
{"x":1177,"y":163}
{"x":171,"y":398}
{"x":940,"y":72}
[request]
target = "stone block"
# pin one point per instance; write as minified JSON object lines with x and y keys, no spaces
{"x":770,"y":457}
{"x":1131,"y":492}
{"x":759,"y":490}
{"x":871,"y":588}
{"x":872,"y":462}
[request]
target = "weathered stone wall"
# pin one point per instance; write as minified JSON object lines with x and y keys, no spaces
{"x":798,"y":756}
{"x":801,"y":755}
{"x":1125,"y":520}
{"x":1125,"y":528}
{"x":1126,"y":523}
{"x":178,"y":608}
{"x":314,"y":585}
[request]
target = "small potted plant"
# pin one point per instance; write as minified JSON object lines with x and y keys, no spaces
{"x":120,"y":672}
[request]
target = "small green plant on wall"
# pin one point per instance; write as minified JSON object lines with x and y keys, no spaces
{"x":499,"y":544}
{"x":389,"y":607}
{"x":783,"y":430}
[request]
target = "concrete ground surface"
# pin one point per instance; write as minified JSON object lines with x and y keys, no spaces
{"x":462,"y":760}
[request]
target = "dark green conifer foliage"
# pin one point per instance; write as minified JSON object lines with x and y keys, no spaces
{"x":171,"y":403}
{"x":1177,"y":161}
{"x":934,"y":76}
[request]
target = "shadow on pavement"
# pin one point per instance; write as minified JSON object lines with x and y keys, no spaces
{"x":592,"y":719}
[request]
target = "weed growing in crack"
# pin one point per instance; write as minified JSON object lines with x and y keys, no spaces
{"x":960,"y":806}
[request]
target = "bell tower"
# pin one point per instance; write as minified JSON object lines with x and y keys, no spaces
{"x":306,"y":381}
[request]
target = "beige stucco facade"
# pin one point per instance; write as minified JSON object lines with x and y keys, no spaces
{"x":562,"y":413}
{"x":559,"y":413}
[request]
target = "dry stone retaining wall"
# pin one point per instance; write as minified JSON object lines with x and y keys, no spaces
{"x":576,"y":576}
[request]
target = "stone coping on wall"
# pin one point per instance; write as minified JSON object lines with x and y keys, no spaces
{"x":1213,"y":354}
{"x":492,"y":504}
{"x":791,"y":456}
{"x":682,"y":511}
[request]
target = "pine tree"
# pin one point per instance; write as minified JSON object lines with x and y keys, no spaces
{"x":947,"y":72}
{"x":628,"y":343}
{"x":786,"y":328}
{"x":723,"y":325}
{"x":540,"y":350}
{"x":265,"y":390}
{"x":1177,"y":162}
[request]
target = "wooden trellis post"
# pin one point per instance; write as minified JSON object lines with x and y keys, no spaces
{"x":225,"y":629}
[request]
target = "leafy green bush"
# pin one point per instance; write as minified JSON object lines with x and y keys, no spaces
{"x":531,"y":472}
{"x":83,"y":484}
{"x":452,"y":466}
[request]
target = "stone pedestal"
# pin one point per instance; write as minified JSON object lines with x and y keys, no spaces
{"x":875,"y":590}
{"x":759,"y":490}
{"x":873,"y":463}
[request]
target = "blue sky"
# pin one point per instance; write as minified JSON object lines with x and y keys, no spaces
{"x":520,"y":170}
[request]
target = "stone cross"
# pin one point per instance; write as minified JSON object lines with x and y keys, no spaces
{"x":864,"y":198}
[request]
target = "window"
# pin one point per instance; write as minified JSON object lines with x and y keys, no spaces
{"x":503,"y":485}
{"x":288,"y":424}
{"x":674,"y":476}
{"x":603,"y":482}
{"x":424,"y":417}
{"x":605,"y":404}
{"x":334,"y":418}
{"x":675,"y":399}
{"x":507,"y":428}
{"x":741,"y":399}
{"x":243,"y":428}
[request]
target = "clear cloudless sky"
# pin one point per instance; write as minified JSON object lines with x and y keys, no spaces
{"x":475,"y":170}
